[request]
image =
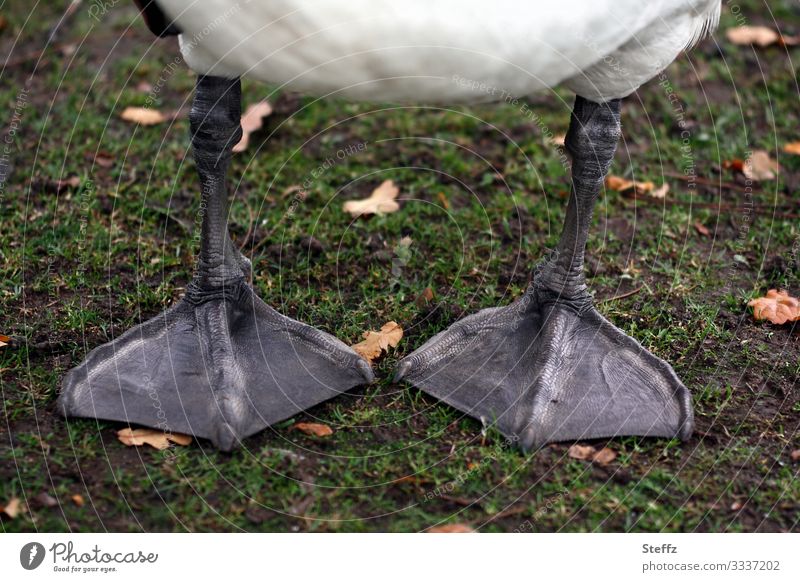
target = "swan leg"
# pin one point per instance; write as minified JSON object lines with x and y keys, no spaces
{"x":220,"y":364}
{"x":549,"y":367}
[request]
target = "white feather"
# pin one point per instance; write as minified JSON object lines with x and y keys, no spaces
{"x":440,"y":50}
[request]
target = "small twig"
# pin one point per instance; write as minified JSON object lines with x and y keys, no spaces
{"x":250,"y":226}
{"x":170,"y":216}
{"x":32,"y":56}
{"x":501,"y":515}
{"x":461,"y":501}
{"x":705,"y":181}
{"x":721,"y":208}
{"x":623,"y":295}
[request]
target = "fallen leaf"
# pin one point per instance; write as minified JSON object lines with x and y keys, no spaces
{"x":619,"y":184}
{"x":759,"y":166}
{"x":451,"y":528}
{"x":425,"y":297}
{"x":588,"y":453}
{"x":792,"y":148}
{"x":736,"y":506}
{"x":252,"y":120}
{"x":4,"y":340}
{"x":376,"y":342}
{"x":701,"y":229}
{"x":604,"y":456}
{"x":558,"y":140}
{"x":13,"y":508}
{"x":795,"y":455}
{"x":155,"y":438}
{"x":77,"y":499}
{"x":443,"y":200}
{"x":381,"y":201}
{"x":313,"y":429}
{"x":143,"y":115}
{"x":46,"y":500}
{"x":735,"y":164}
{"x":660,"y":193}
{"x":761,"y":36}
{"x":582,"y":452}
{"x":104,"y":159}
{"x":55,"y":186}
{"x":758,"y":35}
{"x":777,"y":307}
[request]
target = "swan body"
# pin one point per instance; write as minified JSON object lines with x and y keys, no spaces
{"x":443,"y":50}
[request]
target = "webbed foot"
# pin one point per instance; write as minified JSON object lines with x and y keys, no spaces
{"x":541,"y":371}
{"x":221,"y":365}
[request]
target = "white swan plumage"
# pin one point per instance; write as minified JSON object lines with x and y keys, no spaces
{"x":440,"y":51}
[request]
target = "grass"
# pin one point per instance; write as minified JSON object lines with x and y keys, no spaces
{"x":483,"y":199}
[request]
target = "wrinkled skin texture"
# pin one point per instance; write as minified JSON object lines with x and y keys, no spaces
{"x":220,"y":364}
{"x":549,"y":367}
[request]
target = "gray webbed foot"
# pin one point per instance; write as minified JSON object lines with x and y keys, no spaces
{"x":220,"y":365}
{"x":549,"y":367}
{"x":541,"y":371}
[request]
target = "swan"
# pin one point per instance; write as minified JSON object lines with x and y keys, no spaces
{"x":222,"y":365}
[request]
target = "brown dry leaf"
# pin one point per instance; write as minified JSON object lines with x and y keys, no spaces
{"x":252,"y":120}
{"x":56,"y":186}
{"x":77,"y":499}
{"x":777,"y":307}
{"x":71,"y":182}
{"x":701,"y":229}
{"x":4,"y":340}
{"x":443,"y":200}
{"x":792,"y":148}
{"x":155,"y":438}
{"x":758,"y":35}
{"x":735,"y":164}
{"x":104,"y":159}
{"x":604,"y":456}
{"x":660,"y":193}
{"x":381,"y":201}
{"x":761,"y":36}
{"x":425,"y":297}
{"x":313,"y":429}
{"x":143,"y":115}
{"x":760,"y":166}
{"x":46,"y":500}
{"x":376,"y":342}
{"x":619,"y":184}
{"x":582,"y":452}
{"x":451,"y":528}
{"x":13,"y":508}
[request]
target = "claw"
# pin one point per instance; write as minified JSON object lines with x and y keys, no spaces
{"x":366,"y":371}
{"x":402,"y":369}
